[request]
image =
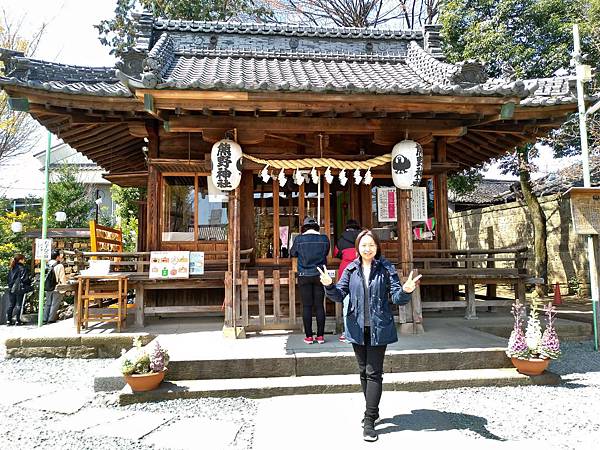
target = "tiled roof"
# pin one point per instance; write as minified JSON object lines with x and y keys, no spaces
{"x":487,"y":192}
{"x":179,"y":54}
{"x":283,"y":29}
{"x":564,"y":179}
{"x":65,"y":78}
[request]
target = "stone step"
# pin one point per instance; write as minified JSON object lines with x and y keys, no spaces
{"x":315,"y":363}
{"x":335,"y":363}
{"x":329,"y":384}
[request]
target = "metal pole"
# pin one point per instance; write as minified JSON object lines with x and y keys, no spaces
{"x":586,"y":175}
{"x":44,"y":233}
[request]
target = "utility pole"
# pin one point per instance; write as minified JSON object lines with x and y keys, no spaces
{"x":42,"y":293}
{"x":582,"y":74}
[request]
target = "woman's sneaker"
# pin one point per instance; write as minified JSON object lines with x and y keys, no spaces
{"x":369,"y":433}
{"x":308,"y":340}
{"x":320,"y":340}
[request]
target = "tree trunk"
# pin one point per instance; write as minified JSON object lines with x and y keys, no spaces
{"x":538,"y":218}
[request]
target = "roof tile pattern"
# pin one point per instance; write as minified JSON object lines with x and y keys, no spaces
{"x":214,"y":55}
{"x":64,"y":78}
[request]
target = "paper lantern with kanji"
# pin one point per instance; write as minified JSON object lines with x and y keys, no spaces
{"x":407,"y":164}
{"x":226,"y":164}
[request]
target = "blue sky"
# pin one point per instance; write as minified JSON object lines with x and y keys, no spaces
{"x":70,"y":38}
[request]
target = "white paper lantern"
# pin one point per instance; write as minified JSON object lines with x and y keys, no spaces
{"x":60,"y":216}
{"x":226,"y":161}
{"x":407,"y":164}
{"x":16,"y":227}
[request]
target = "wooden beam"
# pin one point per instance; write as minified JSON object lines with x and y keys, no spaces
{"x":306,"y":125}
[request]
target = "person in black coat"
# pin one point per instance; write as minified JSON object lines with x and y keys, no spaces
{"x":311,"y":248}
{"x":19,"y":282}
{"x":370,"y":282}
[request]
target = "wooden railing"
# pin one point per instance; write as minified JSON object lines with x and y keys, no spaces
{"x":262,"y":303}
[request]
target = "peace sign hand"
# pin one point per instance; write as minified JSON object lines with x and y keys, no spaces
{"x":411,"y":283}
{"x":325,"y":278}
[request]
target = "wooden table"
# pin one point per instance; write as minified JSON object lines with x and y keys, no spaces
{"x":96,"y":289}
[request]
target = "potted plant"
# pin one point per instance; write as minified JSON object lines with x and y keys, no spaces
{"x":144,"y":371}
{"x":531,"y":352}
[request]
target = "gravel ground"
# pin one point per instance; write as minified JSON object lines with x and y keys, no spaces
{"x":560,"y":415}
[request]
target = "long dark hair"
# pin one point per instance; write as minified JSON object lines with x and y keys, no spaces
{"x":364,"y":233}
{"x":18,"y":257}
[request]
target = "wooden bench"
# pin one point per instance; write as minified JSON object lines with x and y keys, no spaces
{"x":469,"y":267}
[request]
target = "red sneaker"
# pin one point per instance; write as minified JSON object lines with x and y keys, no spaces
{"x":320,"y":340}
{"x":342,"y":338}
{"x":308,"y":340}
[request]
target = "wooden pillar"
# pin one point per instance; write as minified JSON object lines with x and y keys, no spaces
{"x":410,"y":315}
{"x":366,"y":206}
{"x":327,"y":212}
{"x":247,"y":215}
{"x":276,"y":219}
{"x":301,"y":209}
{"x":441,"y":194}
{"x":153,"y":218}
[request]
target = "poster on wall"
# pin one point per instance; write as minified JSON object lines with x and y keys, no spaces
{"x":387,"y":210}
{"x":418,"y":204}
{"x":169,"y":265}
{"x":196,"y":263}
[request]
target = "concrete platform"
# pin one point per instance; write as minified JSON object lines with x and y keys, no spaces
{"x":334,"y":384}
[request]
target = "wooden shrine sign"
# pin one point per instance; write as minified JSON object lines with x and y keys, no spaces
{"x":585,"y":210}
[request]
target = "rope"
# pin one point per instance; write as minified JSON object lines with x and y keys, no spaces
{"x":308,"y":163}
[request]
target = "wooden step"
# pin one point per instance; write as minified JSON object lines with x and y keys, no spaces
{"x":331,"y":384}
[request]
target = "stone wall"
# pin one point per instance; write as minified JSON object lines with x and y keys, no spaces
{"x":509,"y":225}
{"x":82,"y":347}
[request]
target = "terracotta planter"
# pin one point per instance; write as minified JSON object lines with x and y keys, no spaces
{"x":146,"y":381}
{"x":532,"y":366}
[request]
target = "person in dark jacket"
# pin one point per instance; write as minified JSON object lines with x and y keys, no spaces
{"x":19,"y":282}
{"x":311,"y":248}
{"x":346,"y":251}
{"x":371,"y":282}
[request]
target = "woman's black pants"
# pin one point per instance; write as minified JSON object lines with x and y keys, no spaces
{"x":15,"y":302}
{"x":312,"y":294}
{"x":370,"y":363}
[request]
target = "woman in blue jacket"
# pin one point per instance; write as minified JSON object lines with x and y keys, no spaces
{"x":371,"y":282}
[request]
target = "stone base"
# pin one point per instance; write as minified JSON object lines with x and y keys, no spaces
{"x":234,"y":333}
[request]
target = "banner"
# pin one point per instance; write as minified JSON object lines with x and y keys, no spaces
{"x":387,"y":207}
{"x":169,"y":265}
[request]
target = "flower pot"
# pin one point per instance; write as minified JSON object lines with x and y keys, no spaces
{"x":531,"y":366}
{"x":146,"y":381}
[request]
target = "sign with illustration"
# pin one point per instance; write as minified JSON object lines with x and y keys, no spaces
{"x":169,"y":265}
{"x":387,"y":207}
{"x":196,"y":263}
{"x":226,"y":162}
{"x":407,"y":164}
